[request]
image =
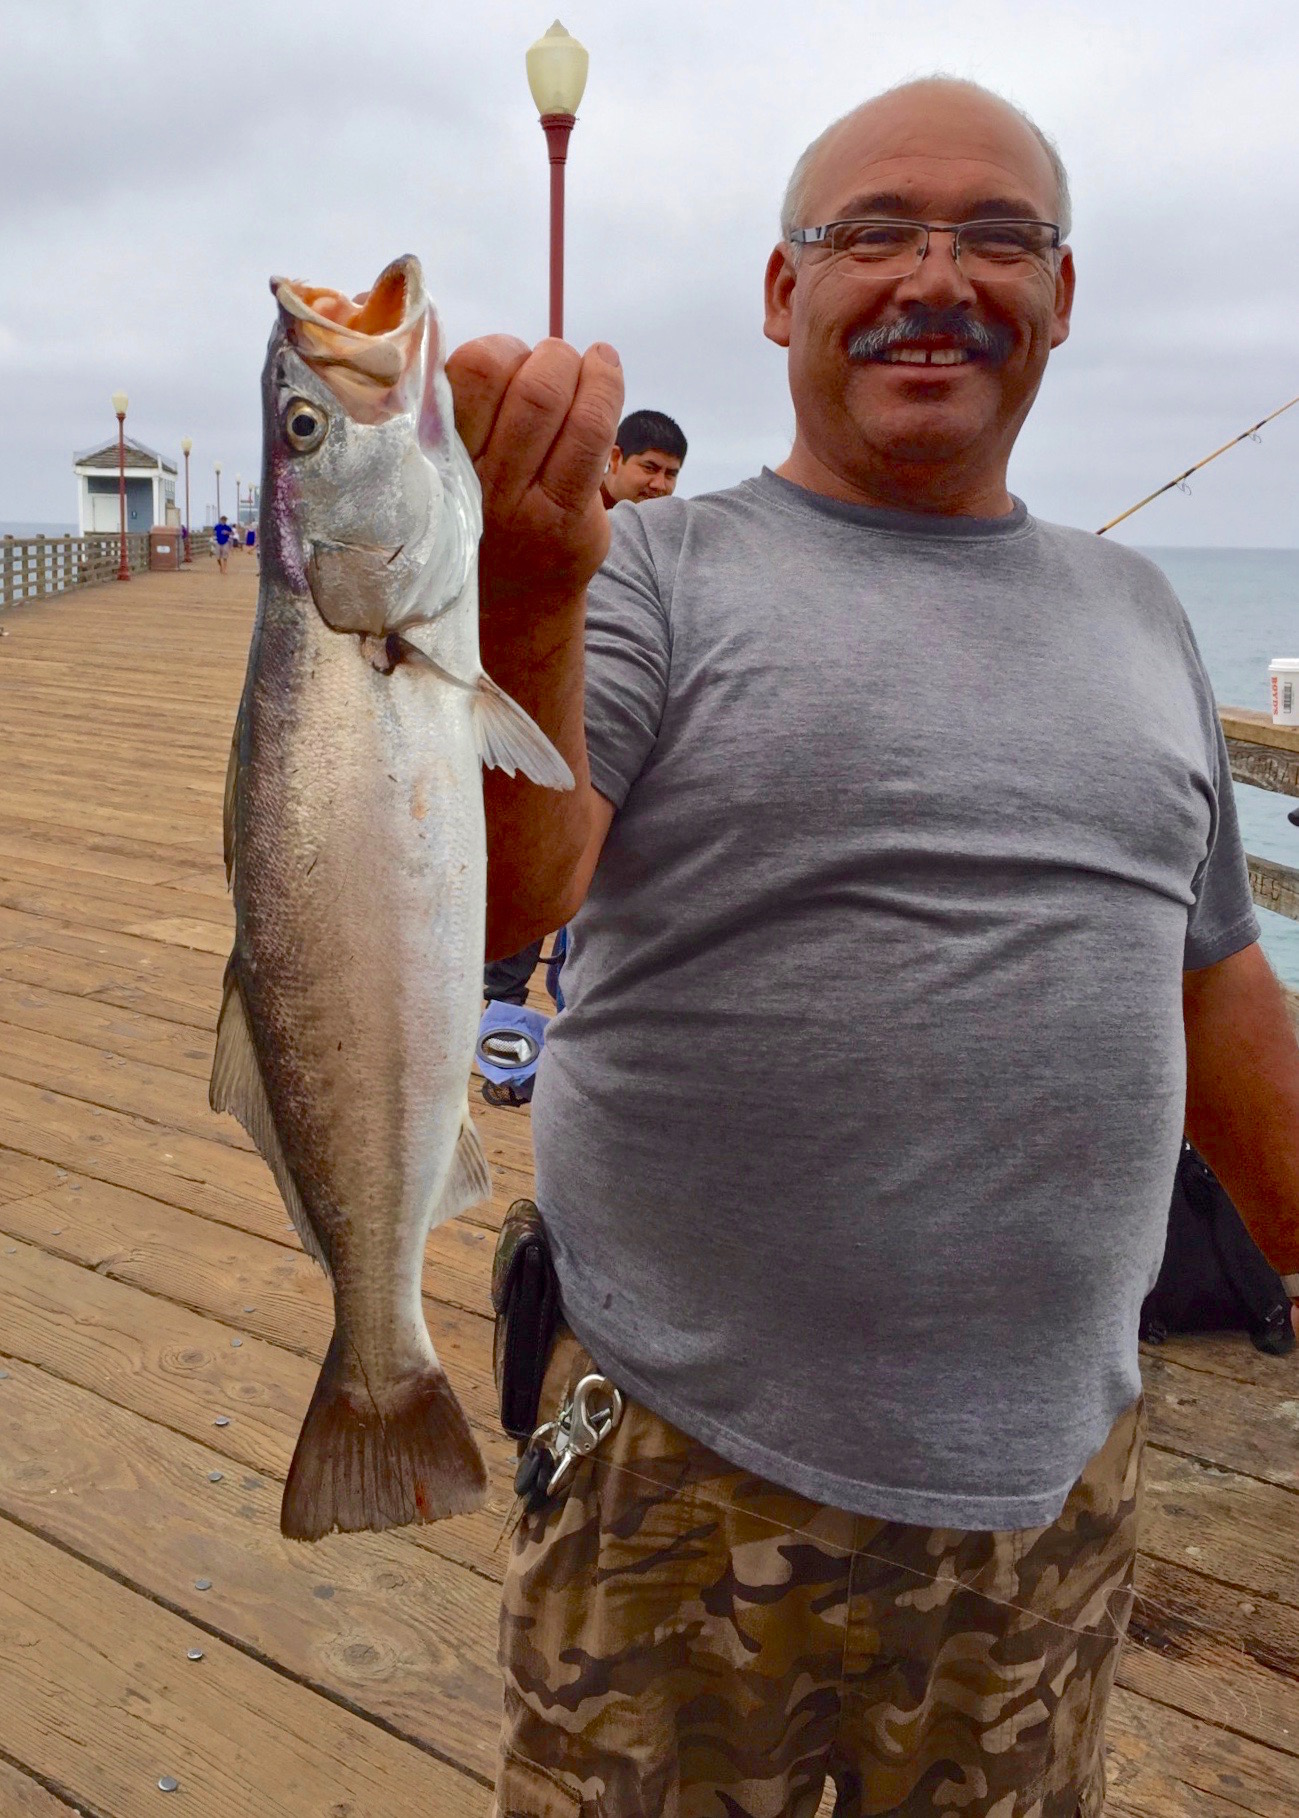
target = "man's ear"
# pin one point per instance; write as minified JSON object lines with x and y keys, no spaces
{"x":615,"y":458}
{"x":1064,"y":287}
{"x":778,"y":295}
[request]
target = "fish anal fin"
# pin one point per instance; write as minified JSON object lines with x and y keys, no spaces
{"x":470,"y":1180}
{"x":237,"y":1087}
{"x":357,"y":1466}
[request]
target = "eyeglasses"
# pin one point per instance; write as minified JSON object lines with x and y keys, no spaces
{"x":892,"y":249}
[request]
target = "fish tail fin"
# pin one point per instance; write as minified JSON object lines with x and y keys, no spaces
{"x":357,"y":1466}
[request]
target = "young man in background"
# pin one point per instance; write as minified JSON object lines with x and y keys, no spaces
{"x":646,"y":460}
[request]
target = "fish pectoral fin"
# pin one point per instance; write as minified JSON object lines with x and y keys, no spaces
{"x":237,"y":1086}
{"x":361,"y":1464}
{"x":509,"y":739}
{"x":469,"y":1182}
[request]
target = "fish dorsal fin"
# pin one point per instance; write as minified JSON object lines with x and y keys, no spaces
{"x":469,"y":1182}
{"x":238,"y":1087}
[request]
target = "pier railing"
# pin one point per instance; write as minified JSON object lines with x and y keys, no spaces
{"x":32,"y":567}
{"x":1268,"y":757}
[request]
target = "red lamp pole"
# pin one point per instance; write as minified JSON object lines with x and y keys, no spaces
{"x":119,"y":406}
{"x":557,"y":128}
{"x":186,"y":445}
{"x":556,"y":66}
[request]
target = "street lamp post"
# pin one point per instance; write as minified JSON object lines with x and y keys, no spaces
{"x":119,"y":401}
{"x":186,"y":445}
{"x":238,"y":497}
{"x":216,"y":468}
{"x":557,"y":66}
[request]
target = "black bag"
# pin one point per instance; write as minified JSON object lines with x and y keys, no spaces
{"x":1214,"y":1277}
{"x":525,"y":1297}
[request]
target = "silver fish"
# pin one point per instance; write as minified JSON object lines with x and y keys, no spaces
{"x":355,"y":842}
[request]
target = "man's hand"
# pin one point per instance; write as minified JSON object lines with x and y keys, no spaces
{"x":538,"y":426}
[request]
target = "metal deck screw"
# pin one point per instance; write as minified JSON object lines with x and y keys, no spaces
{"x":194,"y":1654}
{"x":235,"y":1343}
{"x":215,"y":1476}
{"x":167,"y":1784}
{"x":202,"y":1584}
{"x":222,"y":1420}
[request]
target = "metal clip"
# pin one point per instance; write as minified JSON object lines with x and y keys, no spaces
{"x":551,"y":1456}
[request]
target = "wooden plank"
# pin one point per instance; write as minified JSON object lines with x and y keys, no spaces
{"x":1164,"y":1764}
{"x":178,"y":1368}
{"x":370,"y":1619}
{"x":216,"y":1179}
{"x":1277,"y":771}
{"x":1238,"y":1529}
{"x":1236,"y":1425}
{"x":25,"y":1176}
{"x":1201,"y":1648}
{"x":126,"y":1034}
{"x":99,"y":1077}
{"x":186,"y":931}
{"x":23,"y":1797}
{"x":99,"y":1691}
{"x":1251,"y":727}
{"x":220,"y":1270}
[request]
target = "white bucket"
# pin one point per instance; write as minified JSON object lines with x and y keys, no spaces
{"x":1284,"y":675}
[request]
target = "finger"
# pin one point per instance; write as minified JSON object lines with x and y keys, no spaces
{"x":479,"y":374}
{"x":578,"y":457}
{"x":532,"y":414}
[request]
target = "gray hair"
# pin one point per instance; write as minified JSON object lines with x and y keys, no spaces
{"x":796,"y":190}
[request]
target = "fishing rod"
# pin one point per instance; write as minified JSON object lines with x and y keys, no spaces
{"x":1181,"y":478}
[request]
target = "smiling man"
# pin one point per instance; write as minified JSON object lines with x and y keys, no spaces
{"x":912,"y":924}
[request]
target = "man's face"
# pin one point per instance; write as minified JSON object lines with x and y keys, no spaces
{"x":940,"y":154}
{"x":651,"y":475}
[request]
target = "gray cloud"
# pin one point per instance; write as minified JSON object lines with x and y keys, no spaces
{"x":161,"y":166}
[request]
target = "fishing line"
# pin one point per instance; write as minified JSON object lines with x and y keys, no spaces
{"x":1181,"y":478}
{"x":1142,"y":1605}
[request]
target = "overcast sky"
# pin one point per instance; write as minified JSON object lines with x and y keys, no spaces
{"x":161,"y":162}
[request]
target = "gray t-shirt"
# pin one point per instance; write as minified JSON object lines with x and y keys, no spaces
{"x":857,"y":1134}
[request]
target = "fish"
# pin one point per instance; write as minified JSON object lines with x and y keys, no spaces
{"x":356,"y":854}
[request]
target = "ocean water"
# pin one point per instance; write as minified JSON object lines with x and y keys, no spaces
{"x":1244,"y":607}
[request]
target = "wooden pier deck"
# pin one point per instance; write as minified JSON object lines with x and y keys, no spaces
{"x":160,"y":1330}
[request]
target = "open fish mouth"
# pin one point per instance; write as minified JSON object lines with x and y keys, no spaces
{"x":366,"y":348}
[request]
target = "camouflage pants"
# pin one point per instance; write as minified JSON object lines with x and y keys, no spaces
{"x":680,"y":1639}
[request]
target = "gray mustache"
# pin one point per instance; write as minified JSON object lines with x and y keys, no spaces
{"x":952,"y":325}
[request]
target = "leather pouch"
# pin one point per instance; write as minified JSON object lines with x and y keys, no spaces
{"x":525,"y":1296}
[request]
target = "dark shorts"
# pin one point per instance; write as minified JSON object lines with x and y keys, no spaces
{"x":680,"y":1639}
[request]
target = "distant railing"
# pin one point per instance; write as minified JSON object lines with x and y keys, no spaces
{"x":32,"y":567}
{"x":1268,"y":757}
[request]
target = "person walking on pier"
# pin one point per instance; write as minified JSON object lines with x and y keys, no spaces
{"x":912,"y":922}
{"x":222,"y":537}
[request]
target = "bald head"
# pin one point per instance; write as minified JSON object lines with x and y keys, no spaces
{"x":904,"y":117}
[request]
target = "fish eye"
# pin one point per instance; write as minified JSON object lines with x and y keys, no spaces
{"x":304,"y":425}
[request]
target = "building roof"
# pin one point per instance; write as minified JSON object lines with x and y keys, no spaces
{"x":138,"y":454}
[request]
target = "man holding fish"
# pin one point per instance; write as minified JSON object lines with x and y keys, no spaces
{"x":865,"y":1262}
